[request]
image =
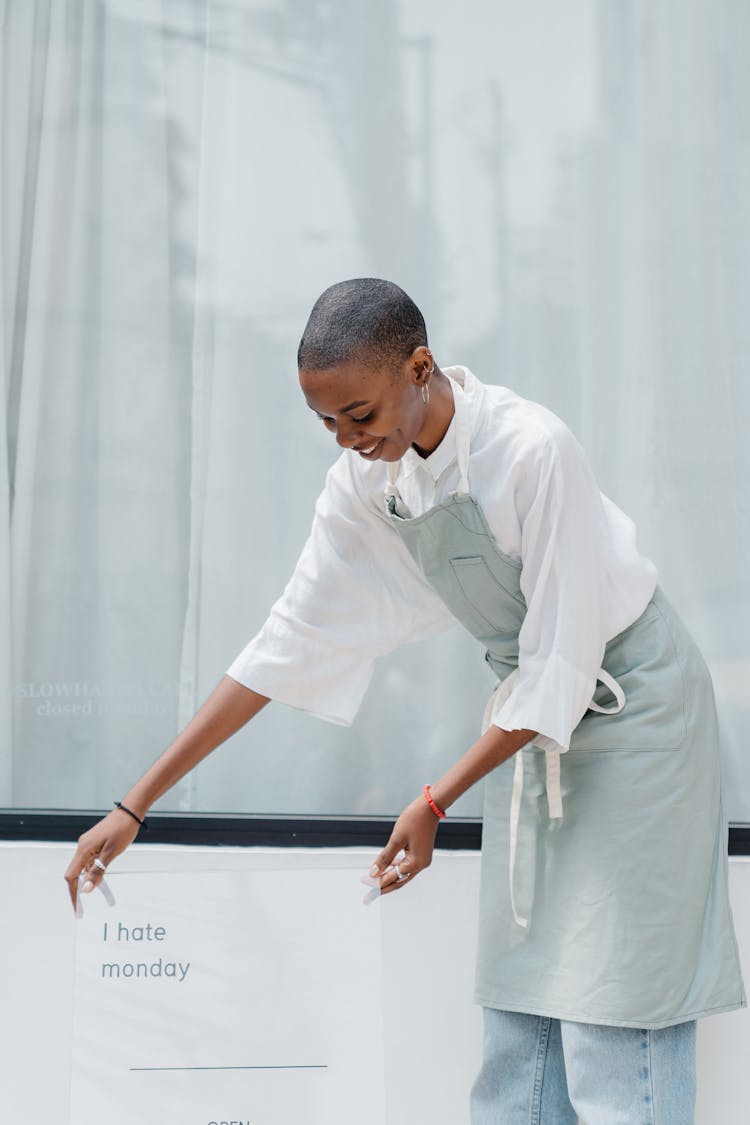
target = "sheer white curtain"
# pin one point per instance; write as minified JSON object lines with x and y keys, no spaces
{"x":563,"y":189}
{"x":97,"y":377}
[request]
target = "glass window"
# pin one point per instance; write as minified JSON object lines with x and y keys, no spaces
{"x":563,"y":189}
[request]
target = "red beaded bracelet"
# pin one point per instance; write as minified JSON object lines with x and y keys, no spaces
{"x":429,"y":799}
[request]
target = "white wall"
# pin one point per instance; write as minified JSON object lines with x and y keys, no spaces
{"x":432,"y":1029}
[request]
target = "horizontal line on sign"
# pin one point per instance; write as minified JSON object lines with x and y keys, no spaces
{"x":282,"y":1067}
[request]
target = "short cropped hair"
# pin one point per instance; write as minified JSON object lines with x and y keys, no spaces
{"x":364,"y":318}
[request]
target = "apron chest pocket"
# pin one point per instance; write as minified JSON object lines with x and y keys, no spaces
{"x":488,"y":603}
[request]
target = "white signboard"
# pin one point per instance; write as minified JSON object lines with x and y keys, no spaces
{"x":229,"y":998}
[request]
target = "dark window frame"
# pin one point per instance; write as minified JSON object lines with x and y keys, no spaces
{"x":233,"y":830}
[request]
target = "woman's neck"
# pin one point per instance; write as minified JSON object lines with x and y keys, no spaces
{"x":440,"y":411}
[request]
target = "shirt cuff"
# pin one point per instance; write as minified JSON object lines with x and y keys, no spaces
{"x":323,"y":681}
{"x":550,"y":698}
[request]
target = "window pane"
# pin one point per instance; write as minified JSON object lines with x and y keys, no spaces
{"x":565,"y":192}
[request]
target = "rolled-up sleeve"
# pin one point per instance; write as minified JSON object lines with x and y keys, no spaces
{"x":563,"y":541}
{"x":355,"y":595}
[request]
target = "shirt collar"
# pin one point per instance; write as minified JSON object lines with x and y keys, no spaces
{"x":463,"y":384}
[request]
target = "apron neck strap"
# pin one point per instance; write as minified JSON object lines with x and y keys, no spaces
{"x":463,"y":439}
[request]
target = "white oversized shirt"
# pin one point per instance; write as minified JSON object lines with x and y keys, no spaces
{"x":356,"y":594}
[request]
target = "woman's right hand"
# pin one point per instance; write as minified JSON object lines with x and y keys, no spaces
{"x":103,"y":841}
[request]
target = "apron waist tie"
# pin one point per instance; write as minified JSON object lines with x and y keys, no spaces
{"x":554,"y":804}
{"x":552,"y":764}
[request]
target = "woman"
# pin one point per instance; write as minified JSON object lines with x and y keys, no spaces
{"x":605,"y":927}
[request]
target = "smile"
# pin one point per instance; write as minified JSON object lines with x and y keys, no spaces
{"x":369,"y":450}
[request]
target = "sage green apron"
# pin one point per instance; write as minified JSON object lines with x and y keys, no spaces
{"x":604,"y":869}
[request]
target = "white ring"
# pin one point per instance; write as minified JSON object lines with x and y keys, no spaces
{"x":98,"y":863}
{"x":399,"y":876}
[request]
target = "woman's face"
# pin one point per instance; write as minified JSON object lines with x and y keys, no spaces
{"x":378,"y":412}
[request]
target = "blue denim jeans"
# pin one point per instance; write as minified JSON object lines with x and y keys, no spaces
{"x":542,"y":1071}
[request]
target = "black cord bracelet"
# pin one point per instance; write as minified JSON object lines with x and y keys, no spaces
{"x":130,"y":812}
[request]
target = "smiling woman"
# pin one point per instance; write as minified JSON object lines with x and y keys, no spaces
{"x":366,"y":370}
{"x":485,"y":511}
{"x":397,"y":407}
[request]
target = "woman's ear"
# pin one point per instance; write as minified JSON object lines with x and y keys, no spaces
{"x":422,"y":365}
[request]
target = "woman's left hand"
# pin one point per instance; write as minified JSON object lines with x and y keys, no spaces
{"x":414,"y":835}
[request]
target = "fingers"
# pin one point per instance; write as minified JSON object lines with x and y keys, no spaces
{"x":74,"y":869}
{"x":397,"y":876}
{"x":95,"y":866}
{"x":384,"y":860}
{"x":391,"y":869}
{"x":86,"y":870}
{"x":408,"y":851}
{"x":385,"y":876}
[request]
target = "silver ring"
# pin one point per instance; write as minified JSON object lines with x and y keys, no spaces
{"x":399,"y":874}
{"x":98,"y":863}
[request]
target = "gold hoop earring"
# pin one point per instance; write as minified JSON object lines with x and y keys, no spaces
{"x":426,"y":386}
